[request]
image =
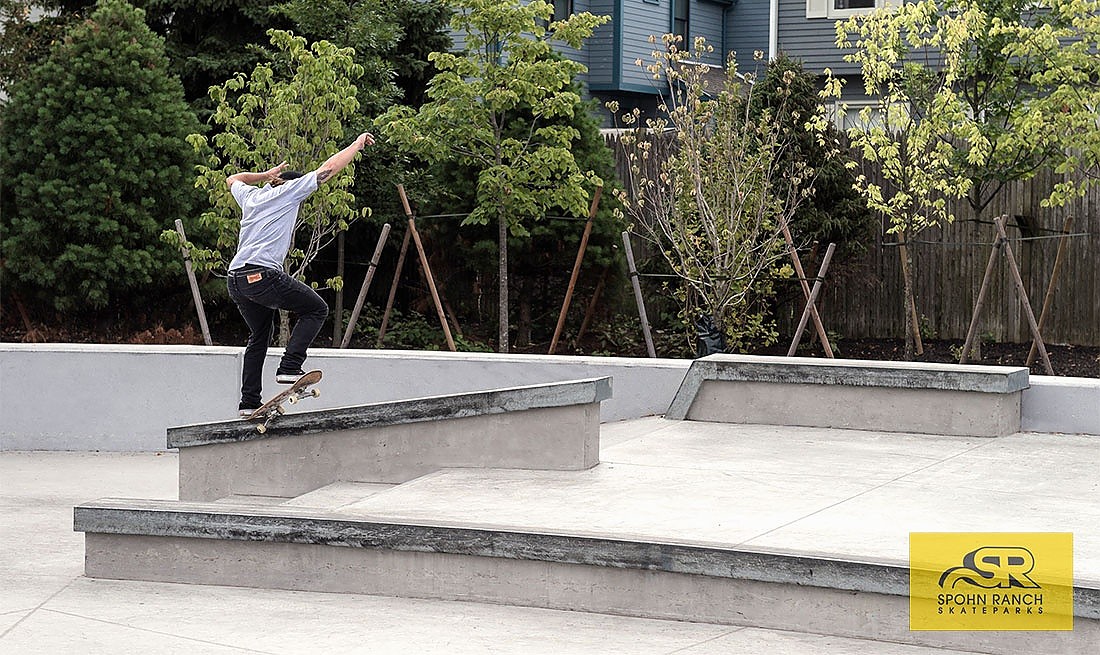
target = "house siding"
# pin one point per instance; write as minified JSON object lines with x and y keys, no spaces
{"x":601,"y":46}
{"x":705,"y":20}
{"x":641,"y":19}
{"x":747,"y":32}
{"x":811,"y":40}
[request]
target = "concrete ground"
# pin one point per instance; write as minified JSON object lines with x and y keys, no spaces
{"x":857,"y":493}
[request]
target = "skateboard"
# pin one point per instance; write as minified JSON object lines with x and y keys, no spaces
{"x":274,"y":407}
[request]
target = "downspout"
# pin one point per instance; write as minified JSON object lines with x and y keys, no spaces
{"x":773,"y":29}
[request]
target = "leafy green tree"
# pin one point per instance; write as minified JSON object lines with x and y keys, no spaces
{"x":503,"y":66}
{"x":921,"y":122}
{"x":95,"y":164}
{"x":542,"y":260}
{"x":711,"y":183}
{"x":1066,"y":42}
{"x":265,"y":119}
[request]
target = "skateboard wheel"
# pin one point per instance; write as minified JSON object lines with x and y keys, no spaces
{"x":315,"y":392}
{"x":280,"y":409}
{"x":261,"y":428}
{"x":292,"y":400}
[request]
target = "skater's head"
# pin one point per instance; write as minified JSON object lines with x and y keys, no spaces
{"x":287,"y":176}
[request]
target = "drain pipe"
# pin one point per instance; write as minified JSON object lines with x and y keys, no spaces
{"x":773,"y":29}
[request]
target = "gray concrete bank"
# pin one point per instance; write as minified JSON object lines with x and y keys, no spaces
{"x":121,"y":398}
{"x":552,"y":426}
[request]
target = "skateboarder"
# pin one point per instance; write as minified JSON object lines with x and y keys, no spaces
{"x":257,"y":282}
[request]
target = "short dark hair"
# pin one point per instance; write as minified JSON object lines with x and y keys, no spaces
{"x":287,"y":176}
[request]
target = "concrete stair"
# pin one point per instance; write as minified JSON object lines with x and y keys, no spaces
{"x":763,"y":524}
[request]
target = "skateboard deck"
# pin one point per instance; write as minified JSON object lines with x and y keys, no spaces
{"x":274,"y":407}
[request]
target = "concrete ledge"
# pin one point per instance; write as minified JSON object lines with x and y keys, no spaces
{"x":852,"y":394}
{"x":287,"y":524}
{"x":319,"y":551}
{"x":544,"y":427}
{"x":374,"y":415}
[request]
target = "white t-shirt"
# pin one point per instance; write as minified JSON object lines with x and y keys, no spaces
{"x":268,"y":214}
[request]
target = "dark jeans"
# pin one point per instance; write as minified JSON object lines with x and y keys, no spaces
{"x":258,"y":300}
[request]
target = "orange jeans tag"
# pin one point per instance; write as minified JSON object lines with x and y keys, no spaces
{"x":255,"y":277}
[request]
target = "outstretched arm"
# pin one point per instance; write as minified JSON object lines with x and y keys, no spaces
{"x":337,"y":162}
{"x":270,"y":175}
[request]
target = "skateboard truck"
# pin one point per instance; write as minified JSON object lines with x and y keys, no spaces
{"x":274,"y":408}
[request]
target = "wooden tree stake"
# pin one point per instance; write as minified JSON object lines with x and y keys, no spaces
{"x":354,"y":318}
{"x":576,"y":267}
{"x":810,"y":307}
{"x":194,"y":284}
{"x":427,"y":268}
{"x":1048,"y":298}
{"x":1022,"y":290}
{"x":805,"y":286}
{"x":638,"y":295}
{"x":393,"y":287}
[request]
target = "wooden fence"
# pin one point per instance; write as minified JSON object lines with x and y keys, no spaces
{"x":863,"y":297}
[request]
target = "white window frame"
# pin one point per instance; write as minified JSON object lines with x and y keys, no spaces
{"x":833,"y":12}
{"x":827,"y":9}
{"x":840,"y":109}
{"x":852,"y":108}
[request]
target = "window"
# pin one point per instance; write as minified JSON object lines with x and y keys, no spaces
{"x":843,"y":8}
{"x":680,"y":22}
{"x":864,"y":114}
{"x":563,"y":9}
{"x":842,"y":5}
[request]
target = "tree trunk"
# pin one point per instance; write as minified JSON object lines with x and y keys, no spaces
{"x":909,"y":307}
{"x":502,"y":261}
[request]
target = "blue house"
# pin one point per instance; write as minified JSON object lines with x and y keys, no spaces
{"x":803,"y":29}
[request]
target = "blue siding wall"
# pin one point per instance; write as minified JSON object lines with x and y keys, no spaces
{"x":640,"y":20}
{"x":601,"y":47}
{"x":809,"y":39}
{"x":705,"y":20}
{"x":746,"y":32}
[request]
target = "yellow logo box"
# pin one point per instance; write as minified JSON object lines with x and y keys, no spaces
{"x":990,"y":581}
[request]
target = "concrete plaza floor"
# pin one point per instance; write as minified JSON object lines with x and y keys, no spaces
{"x":829,"y":492}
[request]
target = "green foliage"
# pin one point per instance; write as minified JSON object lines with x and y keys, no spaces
{"x":920,"y":112}
{"x":503,"y":67}
{"x":408,"y":331}
{"x":712,"y":184}
{"x":95,"y":164}
{"x":268,"y":118}
{"x":209,"y":40}
{"x":363,"y":26}
{"x":913,"y":60}
{"x":25,"y":42}
{"x":835,"y":213}
{"x":542,"y":260}
{"x":1065,"y":42}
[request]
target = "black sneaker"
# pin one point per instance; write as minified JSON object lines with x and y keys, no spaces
{"x":289,"y":377}
{"x":245,"y":412}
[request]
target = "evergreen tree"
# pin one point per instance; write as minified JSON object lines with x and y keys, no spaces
{"x":96,"y":164}
{"x":835,"y":212}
